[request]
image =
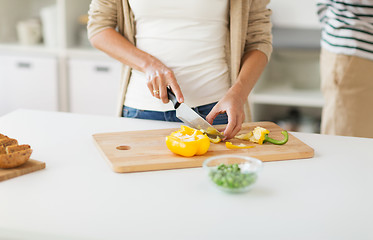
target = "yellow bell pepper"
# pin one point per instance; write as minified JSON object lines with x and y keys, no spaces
{"x":241,"y":146}
{"x":215,"y":140}
{"x":212,"y":131}
{"x":245,"y":136}
{"x":259,"y":135}
{"x":188,"y":142}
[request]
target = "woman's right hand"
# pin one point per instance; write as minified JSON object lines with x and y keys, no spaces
{"x":158,"y":78}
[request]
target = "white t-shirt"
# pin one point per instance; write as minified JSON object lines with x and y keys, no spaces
{"x":189,"y":37}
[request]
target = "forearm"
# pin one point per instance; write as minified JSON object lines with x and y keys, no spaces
{"x":118,"y":47}
{"x":232,"y":103}
{"x":253,"y":64}
{"x":158,"y":76}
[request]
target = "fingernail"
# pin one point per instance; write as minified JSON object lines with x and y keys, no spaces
{"x":181,"y":99}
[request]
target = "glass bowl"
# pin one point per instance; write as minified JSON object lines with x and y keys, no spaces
{"x":233,"y":173}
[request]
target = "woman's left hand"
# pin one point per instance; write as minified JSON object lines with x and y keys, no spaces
{"x":233,"y":105}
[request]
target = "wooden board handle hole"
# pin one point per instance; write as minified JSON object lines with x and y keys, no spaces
{"x":123,"y":147}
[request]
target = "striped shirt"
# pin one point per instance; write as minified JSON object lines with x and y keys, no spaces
{"x":347,"y":26}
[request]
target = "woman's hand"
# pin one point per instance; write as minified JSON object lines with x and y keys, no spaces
{"x":232,"y":104}
{"x":159,"y":77}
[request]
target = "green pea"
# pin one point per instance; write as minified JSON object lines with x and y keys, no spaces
{"x":230,"y":176}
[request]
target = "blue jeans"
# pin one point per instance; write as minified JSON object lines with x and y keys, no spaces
{"x":170,"y":116}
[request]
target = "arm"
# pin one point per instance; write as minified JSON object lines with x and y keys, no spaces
{"x":322,"y":6}
{"x":257,"y":52}
{"x":102,"y":34}
{"x":233,"y":102}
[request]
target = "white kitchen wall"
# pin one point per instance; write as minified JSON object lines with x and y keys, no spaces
{"x":294,"y":14}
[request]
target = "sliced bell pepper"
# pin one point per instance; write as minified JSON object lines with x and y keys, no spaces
{"x":259,"y":135}
{"x":277,"y":142}
{"x":245,"y":136}
{"x":215,"y":140}
{"x":212,"y":131}
{"x":188,"y":142}
{"x":241,"y":146}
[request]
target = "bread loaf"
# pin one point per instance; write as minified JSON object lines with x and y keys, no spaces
{"x":11,"y":154}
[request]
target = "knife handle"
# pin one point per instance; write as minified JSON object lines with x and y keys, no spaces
{"x":173,"y":98}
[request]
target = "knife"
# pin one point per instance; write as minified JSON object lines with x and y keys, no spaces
{"x":191,"y":118}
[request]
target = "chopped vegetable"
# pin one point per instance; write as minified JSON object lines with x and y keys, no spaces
{"x":212,"y":131}
{"x":259,"y":135}
{"x":231,"y":177}
{"x":188,"y":142}
{"x":245,"y":136}
{"x":215,"y":140}
{"x":241,"y":146}
{"x":278,"y":142}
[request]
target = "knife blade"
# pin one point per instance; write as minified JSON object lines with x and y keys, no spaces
{"x":191,"y":118}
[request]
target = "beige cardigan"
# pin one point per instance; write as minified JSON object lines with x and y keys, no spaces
{"x":249,"y":29}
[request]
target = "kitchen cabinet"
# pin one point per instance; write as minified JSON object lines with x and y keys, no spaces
{"x":67,"y":17}
{"x":28,"y":83}
{"x":64,"y":37}
{"x":94,"y":86}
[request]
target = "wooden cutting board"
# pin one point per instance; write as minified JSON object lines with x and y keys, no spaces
{"x":136,"y":151}
{"x":28,"y":167}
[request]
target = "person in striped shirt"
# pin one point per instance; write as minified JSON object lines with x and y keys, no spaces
{"x":346,"y":66}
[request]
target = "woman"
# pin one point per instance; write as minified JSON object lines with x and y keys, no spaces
{"x":210,"y":53}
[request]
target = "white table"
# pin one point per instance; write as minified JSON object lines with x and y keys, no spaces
{"x":78,"y":196}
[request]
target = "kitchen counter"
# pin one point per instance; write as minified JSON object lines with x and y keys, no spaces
{"x":78,"y":196}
